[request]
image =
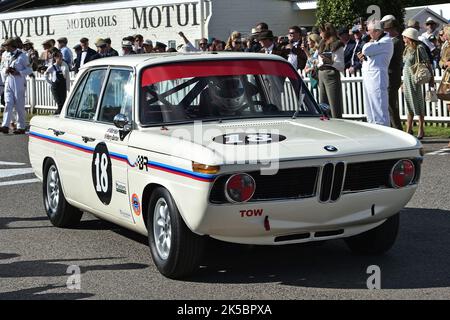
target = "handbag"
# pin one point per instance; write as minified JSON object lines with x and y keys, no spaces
{"x":443,"y":92}
{"x":431,"y":95}
{"x":420,"y":70}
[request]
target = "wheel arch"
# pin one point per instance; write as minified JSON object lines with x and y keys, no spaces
{"x":146,"y":194}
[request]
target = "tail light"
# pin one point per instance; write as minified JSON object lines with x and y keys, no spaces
{"x":240,"y":188}
{"x":402,"y":173}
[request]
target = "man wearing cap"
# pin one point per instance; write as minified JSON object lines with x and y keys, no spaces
{"x":391,"y":27}
{"x":356,"y":64}
{"x":432,"y":28}
{"x":65,"y":51}
{"x":160,"y":47}
{"x":45,"y":60}
{"x":349,"y":46}
{"x":267,"y":42}
{"x":15,"y":68}
{"x":86,"y":53}
{"x":102,"y":50}
{"x":127,"y":48}
{"x":33,"y":56}
{"x":376,"y":56}
{"x":148,"y":46}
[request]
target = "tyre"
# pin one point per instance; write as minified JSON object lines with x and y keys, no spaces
{"x":375,"y":241}
{"x":175,"y":249}
{"x":59,"y":211}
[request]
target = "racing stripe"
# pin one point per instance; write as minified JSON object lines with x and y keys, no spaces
{"x":124,"y":158}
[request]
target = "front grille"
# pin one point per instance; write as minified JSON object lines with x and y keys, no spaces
{"x":369,"y":175}
{"x":332,"y":180}
{"x":291,"y":183}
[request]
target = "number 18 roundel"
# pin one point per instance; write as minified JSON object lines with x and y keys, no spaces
{"x":101,"y":173}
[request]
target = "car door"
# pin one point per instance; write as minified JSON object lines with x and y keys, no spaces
{"x":109,"y":164}
{"x":75,"y":143}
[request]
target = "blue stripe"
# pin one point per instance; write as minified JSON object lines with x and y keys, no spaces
{"x":72,"y":144}
{"x":124,"y":157}
{"x":194,"y":174}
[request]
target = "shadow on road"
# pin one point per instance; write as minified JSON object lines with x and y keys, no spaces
{"x":419,"y":259}
{"x":38,"y":294}
{"x":6,"y":221}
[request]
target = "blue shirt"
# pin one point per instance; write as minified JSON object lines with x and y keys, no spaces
{"x":67,"y":55}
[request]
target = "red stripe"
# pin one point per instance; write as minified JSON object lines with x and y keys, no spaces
{"x":180,"y":174}
{"x":216,"y":68}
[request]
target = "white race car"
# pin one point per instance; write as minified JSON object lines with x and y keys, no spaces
{"x":183,"y":147}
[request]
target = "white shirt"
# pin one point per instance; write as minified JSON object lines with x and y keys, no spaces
{"x":270,"y":49}
{"x":338,"y":60}
{"x":83,"y":57}
{"x":50,"y":74}
{"x":292,"y":58}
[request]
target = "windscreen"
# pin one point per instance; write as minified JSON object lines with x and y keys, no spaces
{"x":221,"y":90}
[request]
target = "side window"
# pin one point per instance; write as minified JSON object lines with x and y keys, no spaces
{"x":91,"y":94}
{"x":73,"y":105}
{"x":118,"y":97}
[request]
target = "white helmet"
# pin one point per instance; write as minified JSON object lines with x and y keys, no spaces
{"x":227,"y":93}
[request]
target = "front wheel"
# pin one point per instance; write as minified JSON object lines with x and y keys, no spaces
{"x":59,"y":211}
{"x":376,"y":241}
{"x":175,"y":249}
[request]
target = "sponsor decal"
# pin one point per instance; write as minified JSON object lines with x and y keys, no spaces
{"x":242,"y":138}
{"x":112,"y":134}
{"x":121,"y":187}
{"x":142,"y":163}
{"x":251,"y":213}
{"x":125,"y":214}
{"x":102,"y":173}
{"x":136,"y":204}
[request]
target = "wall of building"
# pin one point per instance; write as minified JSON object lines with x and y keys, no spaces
{"x":243,"y":15}
{"x":154,"y":19}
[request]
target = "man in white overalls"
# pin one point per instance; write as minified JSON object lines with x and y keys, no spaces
{"x":376,"y":56}
{"x":15,"y":69}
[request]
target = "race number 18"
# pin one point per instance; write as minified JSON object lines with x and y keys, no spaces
{"x":101,"y":173}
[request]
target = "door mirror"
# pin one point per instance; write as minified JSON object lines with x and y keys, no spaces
{"x":325,"y":109}
{"x":122,"y":122}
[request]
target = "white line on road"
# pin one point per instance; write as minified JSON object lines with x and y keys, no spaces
{"x":10,"y":183}
{"x":4,"y":163}
{"x":442,"y":152}
{"x":5,"y":173}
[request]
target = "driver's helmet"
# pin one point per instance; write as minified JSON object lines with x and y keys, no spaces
{"x":227,"y":93}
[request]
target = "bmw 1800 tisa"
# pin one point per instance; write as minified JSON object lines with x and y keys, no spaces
{"x":184,"y":147}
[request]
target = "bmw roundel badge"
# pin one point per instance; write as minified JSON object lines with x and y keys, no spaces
{"x":331,"y":148}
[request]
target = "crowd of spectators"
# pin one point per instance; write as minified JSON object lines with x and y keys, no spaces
{"x":382,"y":51}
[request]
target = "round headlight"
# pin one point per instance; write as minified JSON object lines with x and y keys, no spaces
{"x":402,"y":173}
{"x":240,"y":188}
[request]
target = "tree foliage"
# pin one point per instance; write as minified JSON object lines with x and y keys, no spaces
{"x":346,"y":12}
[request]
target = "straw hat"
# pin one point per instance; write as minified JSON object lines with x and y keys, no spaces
{"x":411,"y":33}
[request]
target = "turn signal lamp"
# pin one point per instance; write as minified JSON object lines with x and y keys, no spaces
{"x":204,"y":168}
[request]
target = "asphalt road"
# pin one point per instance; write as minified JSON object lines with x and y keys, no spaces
{"x":116,"y":264}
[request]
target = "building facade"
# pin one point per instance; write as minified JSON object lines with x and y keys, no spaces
{"x":159,"y":20}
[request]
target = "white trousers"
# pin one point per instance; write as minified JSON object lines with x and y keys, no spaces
{"x":14,"y":99}
{"x":376,"y":98}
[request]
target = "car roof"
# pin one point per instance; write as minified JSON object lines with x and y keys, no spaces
{"x":144,"y":60}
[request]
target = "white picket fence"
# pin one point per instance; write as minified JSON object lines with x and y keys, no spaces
{"x":40,"y":100}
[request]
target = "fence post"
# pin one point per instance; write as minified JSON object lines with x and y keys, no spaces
{"x":32,"y":93}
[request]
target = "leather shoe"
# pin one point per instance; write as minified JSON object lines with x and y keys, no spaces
{"x":19,"y":131}
{"x":4,"y":130}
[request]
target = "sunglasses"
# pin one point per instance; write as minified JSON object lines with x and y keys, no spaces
{"x":203,"y":44}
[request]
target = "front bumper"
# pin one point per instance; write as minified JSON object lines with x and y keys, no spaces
{"x":352,"y":214}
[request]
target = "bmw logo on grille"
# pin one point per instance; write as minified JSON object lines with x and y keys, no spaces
{"x":331,"y":148}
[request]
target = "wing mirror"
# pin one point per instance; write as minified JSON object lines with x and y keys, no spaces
{"x":325,"y":109}
{"x":122,"y":122}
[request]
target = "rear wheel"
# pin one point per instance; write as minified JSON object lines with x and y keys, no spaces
{"x":59,"y":211}
{"x":376,"y":241}
{"x":175,"y":249}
